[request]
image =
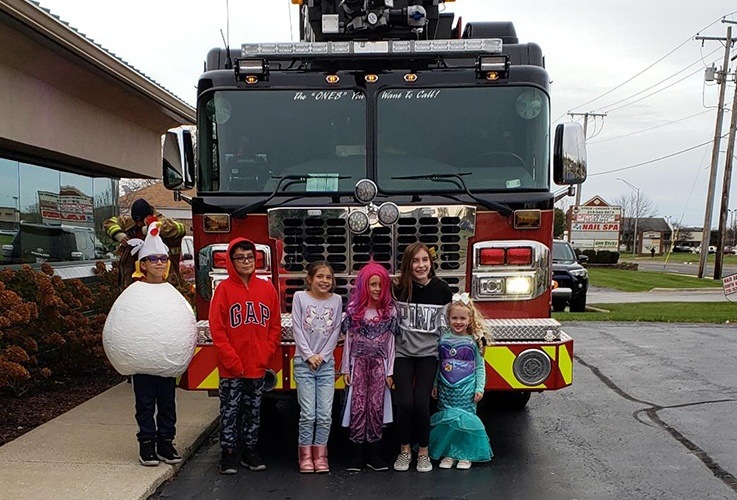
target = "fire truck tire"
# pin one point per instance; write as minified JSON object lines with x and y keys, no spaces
{"x":512,"y":400}
{"x":578,"y":304}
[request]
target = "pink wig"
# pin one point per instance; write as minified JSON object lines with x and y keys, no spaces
{"x":360,"y":298}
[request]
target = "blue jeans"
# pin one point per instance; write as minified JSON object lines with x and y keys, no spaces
{"x":315,"y":391}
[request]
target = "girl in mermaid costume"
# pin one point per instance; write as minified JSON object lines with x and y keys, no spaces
{"x":457,"y":433}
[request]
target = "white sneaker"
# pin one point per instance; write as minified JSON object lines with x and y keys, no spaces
{"x":402,"y":462}
{"x":423,"y":463}
{"x":446,"y":463}
{"x":463,"y":464}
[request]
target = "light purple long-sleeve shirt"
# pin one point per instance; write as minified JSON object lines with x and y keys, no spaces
{"x":316,"y":325}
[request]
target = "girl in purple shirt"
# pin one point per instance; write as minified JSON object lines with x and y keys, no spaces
{"x":316,"y":316}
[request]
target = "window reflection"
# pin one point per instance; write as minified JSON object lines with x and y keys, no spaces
{"x":58,"y":215}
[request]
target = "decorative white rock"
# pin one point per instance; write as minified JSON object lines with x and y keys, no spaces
{"x":150,"y":330}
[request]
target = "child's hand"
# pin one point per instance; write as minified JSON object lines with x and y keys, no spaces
{"x":347,"y":378}
{"x":434,"y":392}
{"x":477,"y":397}
{"x":315,"y":361}
{"x":389,"y":381}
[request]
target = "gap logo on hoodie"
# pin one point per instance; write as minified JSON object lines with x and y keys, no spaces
{"x":240,"y":317}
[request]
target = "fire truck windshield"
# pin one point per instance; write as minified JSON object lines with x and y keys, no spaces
{"x":497,"y":136}
{"x":249,"y":138}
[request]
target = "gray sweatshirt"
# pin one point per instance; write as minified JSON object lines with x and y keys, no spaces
{"x":420,"y":319}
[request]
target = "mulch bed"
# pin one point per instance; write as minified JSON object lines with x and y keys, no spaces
{"x":19,"y":415}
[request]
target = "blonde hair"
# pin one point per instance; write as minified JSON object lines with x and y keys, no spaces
{"x":477,"y":327}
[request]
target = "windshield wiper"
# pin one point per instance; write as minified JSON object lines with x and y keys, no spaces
{"x":457,"y":179}
{"x":293,"y":179}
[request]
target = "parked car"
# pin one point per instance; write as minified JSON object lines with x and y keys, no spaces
{"x":186,"y":264}
{"x":38,"y":243}
{"x":572,"y":278}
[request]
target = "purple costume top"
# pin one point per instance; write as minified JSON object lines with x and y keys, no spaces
{"x":369,"y":338}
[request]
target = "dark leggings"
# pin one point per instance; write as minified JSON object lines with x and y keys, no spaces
{"x":413,"y":379}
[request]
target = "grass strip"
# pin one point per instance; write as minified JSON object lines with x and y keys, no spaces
{"x":643,"y":281}
{"x":667,"y":312}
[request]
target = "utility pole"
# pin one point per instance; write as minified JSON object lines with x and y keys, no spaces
{"x":722,"y":79}
{"x":585,"y":135}
{"x":726,"y":184}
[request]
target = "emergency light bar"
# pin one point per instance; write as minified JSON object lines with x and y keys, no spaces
{"x":400,"y":47}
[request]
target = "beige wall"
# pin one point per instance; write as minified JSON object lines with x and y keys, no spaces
{"x":38,"y":116}
{"x":64,"y":100}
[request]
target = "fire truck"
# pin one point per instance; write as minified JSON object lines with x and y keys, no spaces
{"x":387,"y":124}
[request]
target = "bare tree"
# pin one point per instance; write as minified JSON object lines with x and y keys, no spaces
{"x":635,"y":206}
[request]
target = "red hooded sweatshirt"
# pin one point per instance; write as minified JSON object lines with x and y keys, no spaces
{"x":245,"y":323}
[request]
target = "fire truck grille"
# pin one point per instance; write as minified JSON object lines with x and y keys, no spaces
{"x":309,"y":234}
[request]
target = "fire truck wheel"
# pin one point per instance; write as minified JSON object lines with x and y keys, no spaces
{"x":511,"y":400}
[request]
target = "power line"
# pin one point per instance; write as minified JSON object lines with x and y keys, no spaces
{"x":698,"y":70}
{"x":654,"y":159}
{"x":648,"y":67}
{"x":651,"y":128}
{"x":661,"y":81}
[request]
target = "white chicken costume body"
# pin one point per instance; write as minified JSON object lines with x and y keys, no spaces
{"x":151,"y":328}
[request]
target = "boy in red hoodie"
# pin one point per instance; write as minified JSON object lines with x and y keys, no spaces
{"x":245,"y":324}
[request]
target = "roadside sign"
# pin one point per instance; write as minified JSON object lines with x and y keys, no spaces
{"x":595,"y":225}
{"x":730,"y":285}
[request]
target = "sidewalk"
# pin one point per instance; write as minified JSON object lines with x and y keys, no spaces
{"x":597,"y":295}
{"x":91,"y":451}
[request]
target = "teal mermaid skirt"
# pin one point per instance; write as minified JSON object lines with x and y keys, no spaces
{"x":457,"y":432}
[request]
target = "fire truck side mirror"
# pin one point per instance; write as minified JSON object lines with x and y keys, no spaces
{"x":178,"y":159}
{"x":569,"y":154}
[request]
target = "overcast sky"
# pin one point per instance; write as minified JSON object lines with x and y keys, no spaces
{"x":591,"y":47}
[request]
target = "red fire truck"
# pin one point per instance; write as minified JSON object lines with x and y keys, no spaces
{"x":386,"y":125}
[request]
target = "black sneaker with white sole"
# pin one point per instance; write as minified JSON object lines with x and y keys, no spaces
{"x":147,"y":454}
{"x":228,"y":462}
{"x":252,"y":460}
{"x":165,"y":451}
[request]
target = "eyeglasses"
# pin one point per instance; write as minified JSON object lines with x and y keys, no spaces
{"x":155,"y":259}
{"x":240,"y":259}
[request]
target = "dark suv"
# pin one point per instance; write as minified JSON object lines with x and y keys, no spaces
{"x":571,"y":276}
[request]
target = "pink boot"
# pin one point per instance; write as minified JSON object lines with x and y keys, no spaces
{"x":305,"y":459}
{"x":320,"y":456}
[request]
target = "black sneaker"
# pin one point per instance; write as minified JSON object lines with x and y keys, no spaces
{"x":228,"y":462}
{"x":252,"y":460}
{"x":375,"y":461}
{"x":165,"y":451}
{"x":355,"y":461}
{"x":147,"y":454}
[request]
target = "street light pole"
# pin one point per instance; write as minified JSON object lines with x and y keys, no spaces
{"x":636,"y":211}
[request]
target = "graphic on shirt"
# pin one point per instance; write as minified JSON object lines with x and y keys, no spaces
{"x":420,"y":317}
{"x":318,"y":324}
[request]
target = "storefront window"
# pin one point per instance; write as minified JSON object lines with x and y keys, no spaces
{"x":53,"y":216}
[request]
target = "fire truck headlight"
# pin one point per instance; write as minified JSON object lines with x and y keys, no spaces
{"x":366,"y":190}
{"x":532,"y":367}
{"x":388,"y":213}
{"x":358,"y":222}
{"x":518,"y":285}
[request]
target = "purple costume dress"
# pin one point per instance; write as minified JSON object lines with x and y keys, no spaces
{"x":368,"y":357}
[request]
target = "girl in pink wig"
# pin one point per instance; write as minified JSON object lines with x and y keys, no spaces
{"x":370,"y":325}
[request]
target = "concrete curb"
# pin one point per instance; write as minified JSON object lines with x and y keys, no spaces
{"x":702,"y":290}
{"x":91,"y":450}
{"x":186,"y":454}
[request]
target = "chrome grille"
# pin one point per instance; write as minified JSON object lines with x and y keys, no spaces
{"x":311,"y":234}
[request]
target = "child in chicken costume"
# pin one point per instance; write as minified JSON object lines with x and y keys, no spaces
{"x":150,"y":334}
